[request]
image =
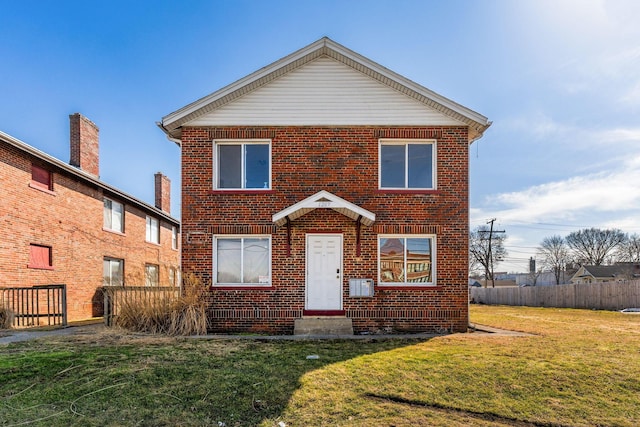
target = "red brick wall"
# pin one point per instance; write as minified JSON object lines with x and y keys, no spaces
{"x":343,"y":161}
{"x":70,"y":220}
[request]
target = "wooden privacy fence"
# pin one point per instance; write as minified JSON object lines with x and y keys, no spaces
{"x":116,"y":296}
{"x":44,"y":305}
{"x":599,"y":296}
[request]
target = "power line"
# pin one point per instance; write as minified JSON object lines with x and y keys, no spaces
{"x":490,"y":252}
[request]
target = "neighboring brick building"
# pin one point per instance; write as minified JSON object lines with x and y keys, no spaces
{"x":61,"y":224}
{"x":316,"y":171}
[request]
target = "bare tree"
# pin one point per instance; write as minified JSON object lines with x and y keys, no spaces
{"x":629,"y":250}
{"x":555,"y":255}
{"x":592,"y":245}
{"x":485,"y":249}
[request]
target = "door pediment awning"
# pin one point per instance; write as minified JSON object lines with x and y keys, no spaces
{"x":324,"y":199}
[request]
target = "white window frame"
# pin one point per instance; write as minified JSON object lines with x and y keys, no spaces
{"x":240,"y":236}
{"x":216,"y":158}
{"x":174,"y":276}
{"x":406,"y":143}
{"x":405,"y":283}
{"x":150,"y":236}
{"x":174,"y":237}
{"x":114,"y":260}
{"x":147,"y":276}
{"x":110,"y":211}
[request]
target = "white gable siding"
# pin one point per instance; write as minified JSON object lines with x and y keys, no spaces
{"x":324,"y":92}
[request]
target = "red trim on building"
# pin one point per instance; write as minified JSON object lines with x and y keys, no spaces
{"x":241,"y":191}
{"x":323,"y":312}
{"x":383,"y":191}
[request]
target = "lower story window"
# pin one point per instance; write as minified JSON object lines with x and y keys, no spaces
{"x":406,"y":260}
{"x":151,"y":275}
{"x":41,"y":257}
{"x":113,"y":272}
{"x":174,"y":276}
{"x":242,"y":260}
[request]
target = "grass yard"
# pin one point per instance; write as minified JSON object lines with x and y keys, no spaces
{"x":578,"y":368}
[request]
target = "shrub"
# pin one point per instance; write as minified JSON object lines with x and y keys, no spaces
{"x":6,"y":317}
{"x":166,"y":313}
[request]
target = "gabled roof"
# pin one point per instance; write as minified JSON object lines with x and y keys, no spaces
{"x":324,"y":199}
{"x":604,"y":271}
{"x":607,"y":272}
{"x":85,"y":177}
{"x":325,"y":47}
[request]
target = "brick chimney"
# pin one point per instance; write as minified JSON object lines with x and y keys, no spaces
{"x":163,"y":192}
{"x":84,"y":144}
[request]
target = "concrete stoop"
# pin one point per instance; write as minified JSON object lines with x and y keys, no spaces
{"x":319,"y":325}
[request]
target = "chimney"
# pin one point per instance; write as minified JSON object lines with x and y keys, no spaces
{"x":163,"y":192}
{"x":84,"y":144}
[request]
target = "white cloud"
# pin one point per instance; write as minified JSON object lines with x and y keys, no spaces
{"x":587,"y":196}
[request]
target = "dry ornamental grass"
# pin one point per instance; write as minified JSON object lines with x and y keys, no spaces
{"x":164,"y":313}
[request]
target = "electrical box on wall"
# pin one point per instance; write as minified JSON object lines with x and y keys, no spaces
{"x":360,"y":287}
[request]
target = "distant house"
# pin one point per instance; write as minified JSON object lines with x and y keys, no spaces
{"x":588,"y":274}
{"x":63,"y":225}
{"x":327,"y":186}
{"x":544,"y":278}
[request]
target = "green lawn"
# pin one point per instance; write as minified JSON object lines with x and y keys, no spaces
{"x":579,"y":368}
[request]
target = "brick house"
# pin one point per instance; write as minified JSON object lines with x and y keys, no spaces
{"x":62,"y":224}
{"x":327,"y":186}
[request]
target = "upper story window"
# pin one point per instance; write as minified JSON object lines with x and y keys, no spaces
{"x":153,"y":230}
{"x":242,"y":165}
{"x":407,"y":164}
{"x":41,"y":178}
{"x":41,"y":257}
{"x":113,"y":215}
{"x":406,"y":260}
{"x":174,"y":237}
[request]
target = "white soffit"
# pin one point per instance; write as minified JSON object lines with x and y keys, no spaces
{"x":323,"y":200}
{"x":325,"y":92}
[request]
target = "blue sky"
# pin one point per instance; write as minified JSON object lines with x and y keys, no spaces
{"x":560,"y":79}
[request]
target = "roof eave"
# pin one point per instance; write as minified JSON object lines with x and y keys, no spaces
{"x":23,"y":146}
{"x":477,"y":123}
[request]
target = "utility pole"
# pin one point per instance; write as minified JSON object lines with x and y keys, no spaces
{"x":490,"y":254}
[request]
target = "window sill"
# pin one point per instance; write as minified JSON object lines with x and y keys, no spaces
{"x":396,"y":287}
{"x":40,"y":267}
{"x":44,"y":190}
{"x":241,"y":191}
{"x":408,"y":191}
{"x":242,"y":287}
{"x":152,"y":243}
{"x":119,"y":233}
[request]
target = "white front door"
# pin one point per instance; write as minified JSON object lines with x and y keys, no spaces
{"x":324,"y":272}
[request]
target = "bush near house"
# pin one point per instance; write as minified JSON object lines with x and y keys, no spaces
{"x":6,"y":317}
{"x":167,"y":314}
